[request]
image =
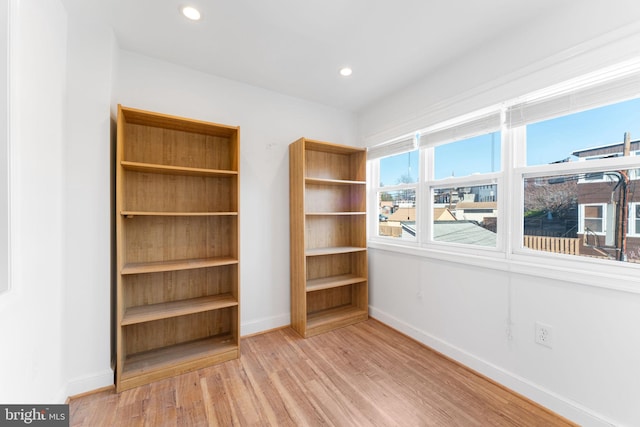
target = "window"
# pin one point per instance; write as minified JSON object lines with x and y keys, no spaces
{"x":480,"y":154}
{"x":466,"y":215}
{"x":573,"y":137}
{"x":397,"y":215}
{"x":399,"y":169}
{"x":564,"y":154}
{"x":635,"y":218}
{"x":593,"y":219}
{"x":397,"y":207}
{"x":467,"y":155}
{"x":581,"y":214}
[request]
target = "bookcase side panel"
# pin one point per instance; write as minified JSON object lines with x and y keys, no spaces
{"x":297,"y":235}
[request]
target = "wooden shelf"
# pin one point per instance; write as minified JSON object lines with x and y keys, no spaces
{"x":334,"y":213}
{"x":151,"y":365}
{"x":159,"y":266}
{"x":324,"y":181}
{"x":148,"y":313}
{"x":330,"y":147}
{"x":333,"y":250}
{"x":333,"y":282}
{"x":131,"y":214}
{"x":174,"y":170}
{"x":135,"y":116}
{"x":332,"y":318}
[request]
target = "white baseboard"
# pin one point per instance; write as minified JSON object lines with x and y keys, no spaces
{"x":556,"y":403}
{"x":265,"y":324}
{"x":88,"y":383}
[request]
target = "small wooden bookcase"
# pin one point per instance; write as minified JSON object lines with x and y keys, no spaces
{"x":329,"y":285}
{"x":177,"y":305}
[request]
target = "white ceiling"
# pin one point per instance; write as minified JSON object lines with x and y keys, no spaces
{"x":296,"y":47}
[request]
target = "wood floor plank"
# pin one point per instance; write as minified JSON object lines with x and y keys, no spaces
{"x":161,"y":406}
{"x":362,"y":375}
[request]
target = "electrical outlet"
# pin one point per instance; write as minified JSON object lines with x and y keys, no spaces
{"x":544,"y":335}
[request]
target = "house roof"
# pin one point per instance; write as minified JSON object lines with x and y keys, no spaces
{"x":601,"y":150}
{"x":403,"y":214}
{"x":443,"y":214}
{"x":467,"y":232}
{"x":477,"y":205}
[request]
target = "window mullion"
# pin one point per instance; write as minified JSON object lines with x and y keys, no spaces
{"x":426,"y":211}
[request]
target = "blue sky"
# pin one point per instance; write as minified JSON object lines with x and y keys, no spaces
{"x":556,"y":139}
{"x":547,"y":142}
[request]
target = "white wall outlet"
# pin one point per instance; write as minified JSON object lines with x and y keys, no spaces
{"x":544,"y":335}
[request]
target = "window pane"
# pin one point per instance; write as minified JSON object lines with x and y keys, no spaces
{"x":399,"y":169}
{"x":593,"y":211}
{"x":570,"y":215}
{"x":567,"y":138}
{"x":480,"y":154}
{"x":594,"y":225}
{"x":397,"y":214}
{"x":467,"y":215}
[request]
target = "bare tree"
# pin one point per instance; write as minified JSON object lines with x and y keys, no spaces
{"x":555,"y":195}
{"x":405,"y":179}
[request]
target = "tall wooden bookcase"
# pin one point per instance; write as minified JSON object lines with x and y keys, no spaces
{"x":329,"y":286}
{"x":178,"y":293}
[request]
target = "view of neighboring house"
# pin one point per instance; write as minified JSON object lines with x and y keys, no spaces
{"x":397,"y":218}
{"x":601,"y":199}
{"x":463,"y":215}
{"x":475,"y":211}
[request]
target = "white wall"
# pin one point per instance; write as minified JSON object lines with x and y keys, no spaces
{"x":87,"y":219}
{"x":585,"y":36}
{"x":31,"y":313}
{"x":268,"y":123}
{"x":4,"y":153}
{"x":485,"y":317}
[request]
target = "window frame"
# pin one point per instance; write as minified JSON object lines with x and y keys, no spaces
{"x":375,"y":190}
{"x":582,"y":217}
{"x":510,"y":253}
{"x":424,"y":198}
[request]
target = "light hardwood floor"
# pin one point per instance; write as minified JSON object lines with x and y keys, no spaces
{"x":360,"y":375}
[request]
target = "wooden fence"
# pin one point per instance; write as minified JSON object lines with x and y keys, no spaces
{"x":560,"y":245}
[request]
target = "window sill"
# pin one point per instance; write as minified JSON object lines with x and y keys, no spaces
{"x":623,"y":277}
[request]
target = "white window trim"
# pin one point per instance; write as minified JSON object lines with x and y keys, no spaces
{"x":582,"y":217}
{"x":633,"y":230}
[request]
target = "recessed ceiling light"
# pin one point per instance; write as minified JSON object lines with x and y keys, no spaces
{"x":191,"y":13}
{"x":345,"y":71}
